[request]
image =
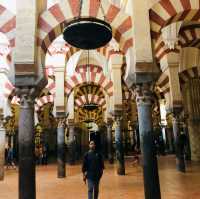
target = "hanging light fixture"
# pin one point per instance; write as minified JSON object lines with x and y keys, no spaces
{"x":88,"y":32}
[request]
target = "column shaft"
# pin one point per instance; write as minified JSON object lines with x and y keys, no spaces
{"x":150,"y":167}
{"x":27,"y":188}
{"x":180,"y":160}
{"x":119,"y":147}
{"x":61,"y":172}
{"x":2,"y":152}
{"x":110,"y":144}
{"x":72,"y":145}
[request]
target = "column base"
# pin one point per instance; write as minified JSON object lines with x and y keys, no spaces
{"x":121,"y":172}
{"x":180,"y":165}
{"x":61,"y":174}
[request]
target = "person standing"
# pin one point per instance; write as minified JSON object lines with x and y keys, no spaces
{"x":92,"y":168}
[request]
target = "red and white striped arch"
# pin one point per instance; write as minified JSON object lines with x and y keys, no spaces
{"x":49,"y":71}
{"x":106,"y":51}
{"x":161,"y":50}
{"x":190,"y":38}
{"x":96,"y":78}
{"x":8,"y":24}
{"x":188,"y":74}
{"x":162,"y":84}
{"x":166,"y":12}
{"x":8,"y":28}
{"x":90,"y":99}
{"x":51,"y":22}
{"x":93,"y":68}
{"x":43,"y":100}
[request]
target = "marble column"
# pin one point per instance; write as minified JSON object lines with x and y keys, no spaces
{"x":144,"y":101}
{"x":180,"y":160}
{"x":71,"y":144}
{"x":61,"y":171}
{"x":27,"y":186}
{"x":110,"y":142}
{"x":2,"y":150}
{"x":119,"y":145}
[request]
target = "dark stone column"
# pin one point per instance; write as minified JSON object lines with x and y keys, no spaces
{"x":71,"y":143}
{"x":119,"y":145}
{"x":2,"y":147}
{"x":144,"y":101}
{"x":169,"y":140}
{"x":180,"y":160}
{"x":126,"y":137}
{"x":27,"y":188}
{"x":110,"y":142}
{"x":61,"y":172}
{"x":188,"y":148}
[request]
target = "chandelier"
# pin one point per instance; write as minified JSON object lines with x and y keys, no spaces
{"x":88,"y":32}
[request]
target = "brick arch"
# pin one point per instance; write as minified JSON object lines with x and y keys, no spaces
{"x":90,"y":98}
{"x":166,"y":12}
{"x":96,"y":78}
{"x":8,"y":24}
{"x":188,"y":74}
{"x":43,"y":100}
{"x":162,"y":84}
{"x":51,"y":22}
{"x":105,"y":51}
{"x":8,"y":28}
{"x":190,"y":37}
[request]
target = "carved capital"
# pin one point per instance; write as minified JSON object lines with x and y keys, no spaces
{"x":27,"y":96}
{"x":61,"y":122}
{"x":144,"y":95}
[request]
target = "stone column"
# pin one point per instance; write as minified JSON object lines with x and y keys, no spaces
{"x":144,"y":101}
{"x":191,"y":95}
{"x":27,"y":188}
{"x":180,"y":160}
{"x":110,"y":142}
{"x":2,"y":148}
{"x":71,"y":143}
{"x":61,"y":172}
{"x":119,"y":145}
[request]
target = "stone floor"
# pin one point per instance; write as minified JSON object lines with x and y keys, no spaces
{"x":174,"y":185}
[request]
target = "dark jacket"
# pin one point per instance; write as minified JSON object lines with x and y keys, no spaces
{"x":93,"y":165}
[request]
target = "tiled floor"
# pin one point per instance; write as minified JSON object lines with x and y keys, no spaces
{"x":174,"y":185}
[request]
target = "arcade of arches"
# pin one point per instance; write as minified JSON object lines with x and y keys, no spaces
{"x":137,"y":96}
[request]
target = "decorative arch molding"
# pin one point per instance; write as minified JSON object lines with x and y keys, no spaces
{"x":90,"y":99}
{"x":188,"y":74}
{"x":95,"y":78}
{"x":166,"y":12}
{"x":105,"y":51}
{"x":8,"y":28}
{"x":8,"y":24}
{"x":190,"y":37}
{"x":53,"y":20}
{"x":43,"y":100}
{"x":162,"y":84}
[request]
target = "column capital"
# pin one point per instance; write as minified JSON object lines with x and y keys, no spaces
{"x":61,"y":122}
{"x":27,"y":96}
{"x":109,"y":122}
{"x":144,"y":95}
